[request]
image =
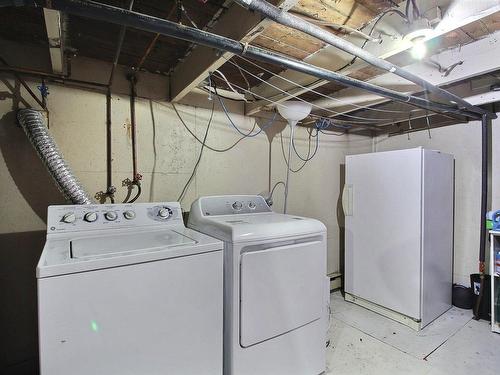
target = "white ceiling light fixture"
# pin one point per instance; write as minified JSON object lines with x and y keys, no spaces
{"x":293,"y":111}
{"x":419,"y":32}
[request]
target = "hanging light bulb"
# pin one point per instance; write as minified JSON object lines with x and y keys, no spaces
{"x":418,"y":32}
{"x":419,"y":50}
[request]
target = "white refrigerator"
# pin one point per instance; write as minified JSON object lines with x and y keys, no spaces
{"x":398,"y":209}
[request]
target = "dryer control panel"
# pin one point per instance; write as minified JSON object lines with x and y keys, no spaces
{"x":233,"y":204}
{"x":70,"y":218}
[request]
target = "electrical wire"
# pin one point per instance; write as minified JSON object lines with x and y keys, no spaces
{"x":278,"y":104}
{"x":415,"y":11}
{"x":332,"y":133}
{"x":334,"y":25}
{"x":285,"y":44}
{"x":274,"y":187}
{"x":307,"y":158}
{"x":199,"y":140}
{"x":139,"y":190}
{"x":367,"y":120}
{"x":226,"y":112}
{"x":282,"y":105}
{"x":382,"y":15}
{"x":229,"y":84}
{"x":315,"y":91}
{"x":130,"y":187}
{"x":188,"y":182}
{"x":271,"y":101}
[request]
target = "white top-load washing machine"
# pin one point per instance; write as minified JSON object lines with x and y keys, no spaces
{"x":127,"y":289}
{"x":274,"y":285}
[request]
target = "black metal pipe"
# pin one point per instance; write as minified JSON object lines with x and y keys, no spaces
{"x":297,"y":23}
{"x":144,"y":22}
{"x":55,"y":77}
{"x":484,"y":208}
{"x":484,"y":190}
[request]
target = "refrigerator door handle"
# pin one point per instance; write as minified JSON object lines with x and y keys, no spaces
{"x":347,"y":205}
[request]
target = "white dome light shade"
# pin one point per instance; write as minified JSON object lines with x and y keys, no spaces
{"x":294,"y":110}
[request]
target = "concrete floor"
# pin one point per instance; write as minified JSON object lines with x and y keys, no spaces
{"x":363,"y":342}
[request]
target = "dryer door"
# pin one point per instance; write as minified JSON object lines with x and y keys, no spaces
{"x":281,"y":289}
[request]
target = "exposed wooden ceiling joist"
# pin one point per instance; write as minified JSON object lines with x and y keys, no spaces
{"x":54,"y":27}
{"x":236,"y":23}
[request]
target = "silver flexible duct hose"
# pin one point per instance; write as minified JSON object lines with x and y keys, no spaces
{"x":33,"y":124}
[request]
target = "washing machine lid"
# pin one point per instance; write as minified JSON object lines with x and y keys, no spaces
{"x":104,"y":246}
{"x":122,"y":247}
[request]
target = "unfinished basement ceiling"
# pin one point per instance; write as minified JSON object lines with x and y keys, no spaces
{"x":89,"y":38}
{"x":390,"y":29}
{"x":353,"y":13}
{"x":165,"y":55}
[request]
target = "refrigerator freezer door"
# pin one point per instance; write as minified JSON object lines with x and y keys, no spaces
{"x":383,"y":234}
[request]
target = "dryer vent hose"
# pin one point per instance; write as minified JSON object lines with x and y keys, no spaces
{"x":33,"y":124}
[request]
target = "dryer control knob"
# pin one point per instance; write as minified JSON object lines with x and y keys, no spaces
{"x":69,"y":218}
{"x":111,"y":216}
{"x":129,"y":215}
{"x":163,"y":213}
{"x":251,"y":205}
{"x":237,"y":205}
{"x":90,"y":217}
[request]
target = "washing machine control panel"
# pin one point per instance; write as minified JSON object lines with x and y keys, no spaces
{"x":70,"y":218}
{"x":233,"y":204}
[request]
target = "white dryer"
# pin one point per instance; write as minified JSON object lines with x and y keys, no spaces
{"x":274,"y":285}
{"x":127,"y":289}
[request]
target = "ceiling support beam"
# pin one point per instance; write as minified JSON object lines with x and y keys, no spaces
{"x":144,"y":22}
{"x":53,"y":25}
{"x":236,"y":23}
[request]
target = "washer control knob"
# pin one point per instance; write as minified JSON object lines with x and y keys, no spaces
{"x":251,"y":205}
{"x":164,"y":213}
{"x":69,"y":218}
{"x":111,"y":216}
{"x":90,"y":217}
{"x":129,"y":215}
{"x":237,"y":206}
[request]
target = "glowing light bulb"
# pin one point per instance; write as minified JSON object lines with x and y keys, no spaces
{"x":419,"y":50}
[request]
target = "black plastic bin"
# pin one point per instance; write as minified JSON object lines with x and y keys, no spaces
{"x":485,"y":307}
